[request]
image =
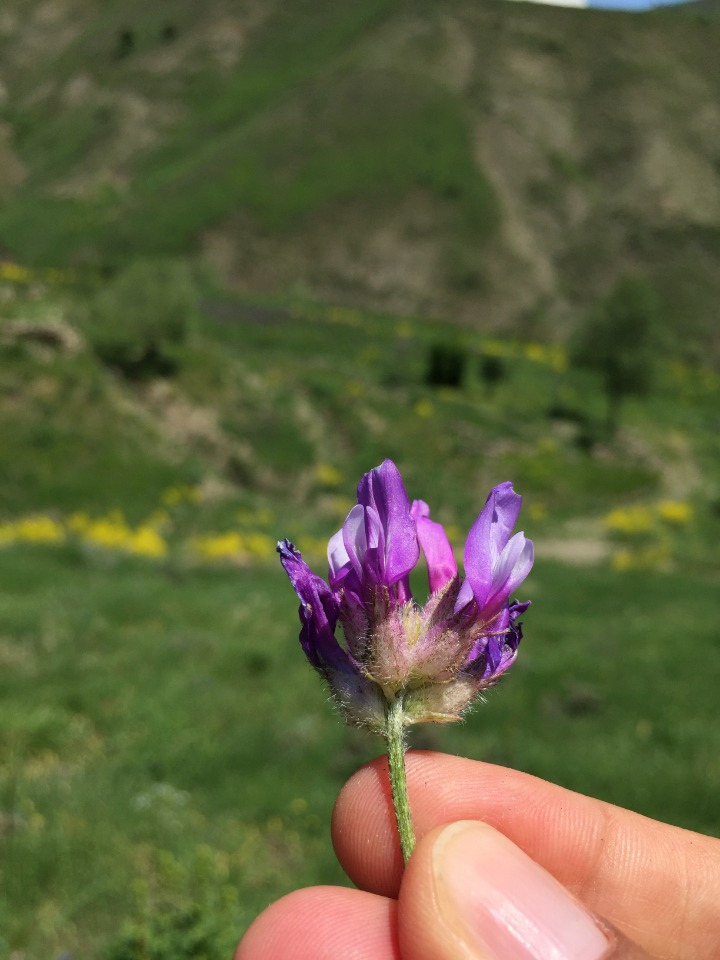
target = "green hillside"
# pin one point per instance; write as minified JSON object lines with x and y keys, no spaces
{"x":500,"y":163}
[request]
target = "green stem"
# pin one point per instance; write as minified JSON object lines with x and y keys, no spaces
{"x":395,"y":739}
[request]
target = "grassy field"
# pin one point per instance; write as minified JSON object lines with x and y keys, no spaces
{"x":168,"y":761}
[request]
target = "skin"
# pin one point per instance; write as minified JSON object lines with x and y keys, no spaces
{"x":657,"y":885}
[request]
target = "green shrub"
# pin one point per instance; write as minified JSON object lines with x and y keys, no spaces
{"x":137,"y":321}
{"x":179,"y":933}
{"x":618,"y":341}
{"x":445,"y":365}
{"x":492,"y":370}
{"x":125,"y":44}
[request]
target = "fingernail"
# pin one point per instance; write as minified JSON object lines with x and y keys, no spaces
{"x":503,"y":905}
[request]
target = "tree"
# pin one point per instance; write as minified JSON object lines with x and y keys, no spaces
{"x":618,"y":341}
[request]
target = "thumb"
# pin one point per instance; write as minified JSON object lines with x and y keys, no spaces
{"x":469,"y":893}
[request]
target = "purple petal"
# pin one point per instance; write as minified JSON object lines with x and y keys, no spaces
{"x":338,"y":558}
{"x":382,"y":489}
{"x":319,"y":611}
{"x":516,"y":610}
{"x":464,"y":597}
{"x":435,"y":545}
{"x":343,"y":573}
{"x":507,"y":510}
{"x":373,"y":563}
{"x":485,"y":560}
{"x":509,"y":571}
{"x":355,"y":538}
{"x":493,"y":654}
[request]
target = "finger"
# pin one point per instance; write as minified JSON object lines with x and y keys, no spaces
{"x":659,"y":885}
{"x":324,"y":923}
{"x":470,"y":894}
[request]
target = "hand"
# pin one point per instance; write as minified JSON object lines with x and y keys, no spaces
{"x":479,"y":885}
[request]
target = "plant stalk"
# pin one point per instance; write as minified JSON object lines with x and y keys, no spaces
{"x":395,"y":739}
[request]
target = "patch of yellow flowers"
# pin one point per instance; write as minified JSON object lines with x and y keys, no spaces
{"x":152,"y":538}
{"x":111,"y":532}
{"x":643,"y":519}
{"x":647,"y":522}
{"x":16,"y":273}
{"x":657,"y":556}
{"x":233,"y":545}
{"x":34,"y":528}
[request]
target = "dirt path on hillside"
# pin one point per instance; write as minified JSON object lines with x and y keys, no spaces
{"x":580,"y":551}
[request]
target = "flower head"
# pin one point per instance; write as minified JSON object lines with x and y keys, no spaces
{"x":439,"y":657}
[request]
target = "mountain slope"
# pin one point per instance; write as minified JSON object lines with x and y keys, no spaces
{"x":480,"y":160}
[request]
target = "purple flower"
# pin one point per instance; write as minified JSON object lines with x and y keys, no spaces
{"x":439,"y":657}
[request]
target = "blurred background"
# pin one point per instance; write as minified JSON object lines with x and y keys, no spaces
{"x":249,"y":250}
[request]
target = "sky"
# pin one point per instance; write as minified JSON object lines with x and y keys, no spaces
{"x":610,"y":4}
{"x":627,"y":4}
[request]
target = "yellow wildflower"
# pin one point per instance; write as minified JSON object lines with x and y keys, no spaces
{"x":632,"y":520}
{"x":677,"y":512}
{"x":424,"y":409}
{"x":218,"y":546}
{"x":39,"y":529}
{"x":147,"y":542}
{"x":328,"y":475}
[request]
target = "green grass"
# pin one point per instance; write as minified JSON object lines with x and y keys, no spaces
{"x":67,"y":447}
{"x":169,"y":760}
{"x":149,"y":719}
{"x":610,"y":690}
{"x":118,"y":681}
